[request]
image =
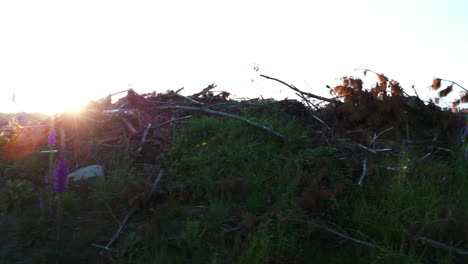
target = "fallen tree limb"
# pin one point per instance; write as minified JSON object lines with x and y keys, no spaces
{"x":190,"y":99}
{"x":440,"y":245}
{"x":143,"y":138}
{"x":310,"y":112}
{"x":333,"y":231}
{"x":376,"y":137}
{"x":274,"y":132}
{"x":171,"y":120}
{"x":121,"y":226}
{"x":299,"y":91}
{"x":373,"y":151}
{"x":364,"y":170}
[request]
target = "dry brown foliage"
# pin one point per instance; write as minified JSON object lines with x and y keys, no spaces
{"x":351,"y":89}
{"x":446,"y":91}
{"x":436,"y":83}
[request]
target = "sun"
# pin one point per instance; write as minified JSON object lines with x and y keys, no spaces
{"x":49,"y":106}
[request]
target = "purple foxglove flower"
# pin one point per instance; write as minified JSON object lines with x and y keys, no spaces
{"x":61,"y":173}
{"x":51,"y":139}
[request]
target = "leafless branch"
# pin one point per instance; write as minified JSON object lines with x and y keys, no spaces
{"x":274,"y":132}
{"x":364,"y":170}
{"x":440,"y":245}
{"x":121,"y":226}
{"x":171,"y":120}
{"x":376,"y":137}
{"x":333,"y":231}
{"x":190,"y":99}
{"x":129,"y":125}
{"x":299,"y":91}
{"x":143,"y":138}
{"x":373,"y":151}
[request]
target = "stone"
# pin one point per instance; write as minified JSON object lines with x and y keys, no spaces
{"x":86,"y":173}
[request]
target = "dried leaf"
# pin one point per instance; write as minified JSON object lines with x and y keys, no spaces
{"x":382,"y":78}
{"x":396,"y":89}
{"x":436,"y":84}
{"x":436,"y":100}
{"x":446,"y":91}
{"x":345,"y":82}
{"x":455,"y":103}
{"x":464,"y":98}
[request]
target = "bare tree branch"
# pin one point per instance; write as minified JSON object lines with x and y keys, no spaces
{"x":440,"y":245}
{"x":299,"y":91}
{"x":333,"y":231}
{"x":274,"y":132}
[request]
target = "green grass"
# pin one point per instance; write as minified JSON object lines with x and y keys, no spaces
{"x":245,"y":186}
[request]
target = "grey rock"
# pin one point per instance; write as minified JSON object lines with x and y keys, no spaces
{"x":86,"y":173}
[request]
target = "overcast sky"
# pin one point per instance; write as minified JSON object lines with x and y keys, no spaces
{"x":56,"y":55}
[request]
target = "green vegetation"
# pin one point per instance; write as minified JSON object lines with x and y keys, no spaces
{"x":233,"y":193}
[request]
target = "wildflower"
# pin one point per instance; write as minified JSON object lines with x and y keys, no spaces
{"x":51,"y":139}
{"x":61,"y":173}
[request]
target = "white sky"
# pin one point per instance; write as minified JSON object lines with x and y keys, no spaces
{"x":56,"y":55}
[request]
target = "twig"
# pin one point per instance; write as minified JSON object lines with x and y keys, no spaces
{"x":299,"y":91}
{"x":438,"y":244}
{"x":155,"y":184}
{"x":205,"y":90}
{"x":373,"y":151}
{"x":375,"y":137}
{"x":274,"y":132}
{"x":107,"y":140}
{"x":310,"y":112}
{"x":414,"y":89}
{"x":339,"y":234}
{"x":425,"y":156}
{"x":171,"y":120}
{"x":122,"y":225}
{"x":143,"y":138}
{"x":190,"y":99}
{"x":103,"y":247}
{"x":364,"y":170}
{"x":390,"y":168}
{"x":454,"y":83}
{"x":129,"y":125}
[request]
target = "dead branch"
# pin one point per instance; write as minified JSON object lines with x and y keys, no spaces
{"x":129,"y":125}
{"x":299,"y":91}
{"x":143,"y":138}
{"x":121,"y":226}
{"x":155,"y":184}
{"x":310,"y":112}
{"x":274,"y":132}
{"x":205,"y":90}
{"x":107,"y":140}
{"x":440,"y":245}
{"x":376,"y":137}
{"x":454,"y":83}
{"x":373,"y":151}
{"x":172,"y":120}
{"x":364,"y":170}
{"x":190,"y":99}
{"x":103,"y":247}
{"x":333,"y":231}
